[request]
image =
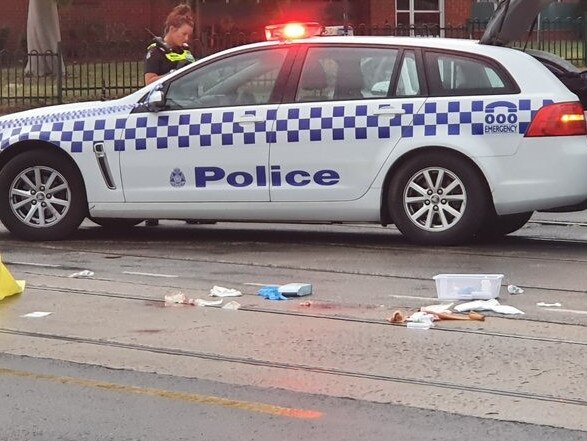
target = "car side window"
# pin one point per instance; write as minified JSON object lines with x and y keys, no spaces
{"x":452,"y":74}
{"x":243,"y":79}
{"x":345,"y":73}
{"x":408,"y":83}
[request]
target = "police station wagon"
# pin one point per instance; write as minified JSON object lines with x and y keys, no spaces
{"x":447,"y":139}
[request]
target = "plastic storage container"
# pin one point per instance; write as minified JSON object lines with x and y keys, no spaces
{"x":468,"y":286}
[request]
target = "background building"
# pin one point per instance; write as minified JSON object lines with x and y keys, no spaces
{"x":123,"y":20}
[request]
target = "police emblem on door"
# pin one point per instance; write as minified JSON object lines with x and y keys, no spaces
{"x":177,"y":178}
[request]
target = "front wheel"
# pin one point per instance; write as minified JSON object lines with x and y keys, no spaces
{"x":438,"y":199}
{"x":42,"y":196}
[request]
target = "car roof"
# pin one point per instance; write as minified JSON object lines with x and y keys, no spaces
{"x":426,"y":42}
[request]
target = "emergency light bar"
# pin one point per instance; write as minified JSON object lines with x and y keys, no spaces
{"x":296,"y":31}
{"x":292,"y":31}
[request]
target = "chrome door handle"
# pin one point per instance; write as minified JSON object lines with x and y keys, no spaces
{"x":389,"y":111}
{"x":248,"y":119}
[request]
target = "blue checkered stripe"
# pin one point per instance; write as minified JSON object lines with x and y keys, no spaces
{"x":198,"y":129}
{"x":70,"y":130}
{"x":334,"y":123}
{"x":453,"y":118}
{"x":290,"y":124}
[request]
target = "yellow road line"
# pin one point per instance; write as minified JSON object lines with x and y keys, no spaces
{"x":170,"y":395}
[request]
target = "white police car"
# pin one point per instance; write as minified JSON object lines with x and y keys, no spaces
{"x":446,"y":139}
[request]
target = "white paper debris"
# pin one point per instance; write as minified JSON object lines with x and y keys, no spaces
{"x":549,"y":305}
{"x":220,"y":291}
{"x":506,"y":309}
{"x":232,"y":305}
{"x":37,"y":314}
{"x":477,"y":305}
{"x":513,"y":289}
{"x":419,"y":325}
{"x":85,"y":274}
{"x":201,"y":302}
{"x":421,"y":320}
{"x":487,"y":305}
{"x":434,"y":309}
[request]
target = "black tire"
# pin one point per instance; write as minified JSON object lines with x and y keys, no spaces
{"x":454,"y":216}
{"x":116,"y":223}
{"x":65,"y":203}
{"x":497,"y":226}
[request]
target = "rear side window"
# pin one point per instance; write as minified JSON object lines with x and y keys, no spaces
{"x":452,"y":74}
{"x":345,"y":73}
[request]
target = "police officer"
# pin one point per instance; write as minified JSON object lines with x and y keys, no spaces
{"x":171,"y":52}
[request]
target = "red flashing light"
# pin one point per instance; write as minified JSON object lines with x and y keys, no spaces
{"x":292,"y":31}
{"x":559,"y":119}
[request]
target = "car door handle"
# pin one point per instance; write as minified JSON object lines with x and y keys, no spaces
{"x":389,"y":111}
{"x":248,"y":119}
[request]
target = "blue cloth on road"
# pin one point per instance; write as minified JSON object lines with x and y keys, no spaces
{"x":271,"y":293}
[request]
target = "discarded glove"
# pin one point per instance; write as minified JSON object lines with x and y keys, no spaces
{"x":271,"y":293}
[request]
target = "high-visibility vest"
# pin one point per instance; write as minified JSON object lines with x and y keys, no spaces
{"x":174,"y":57}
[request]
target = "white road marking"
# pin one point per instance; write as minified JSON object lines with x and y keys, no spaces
{"x":572,"y":311}
{"x":414,"y":297}
{"x":136,"y":273}
{"x":47,"y":265}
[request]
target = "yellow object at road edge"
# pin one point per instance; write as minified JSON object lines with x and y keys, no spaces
{"x":9,"y":286}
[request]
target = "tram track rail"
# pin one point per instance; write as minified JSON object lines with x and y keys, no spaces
{"x":298,"y":367}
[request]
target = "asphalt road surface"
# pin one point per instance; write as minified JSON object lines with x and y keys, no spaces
{"x":113,"y":361}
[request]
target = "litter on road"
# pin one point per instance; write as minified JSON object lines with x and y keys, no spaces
{"x":177,"y":298}
{"x":513,"y":289}
{"x":295,"y":289}
{"x":37,"y":314}
{"x":549,"y":305}
{"x":467,"y":286}
{"x":487,"y":305}
{"x":9,"y":286}
{"x":220,"y":291}
{"x":271,"y":293}
{"x":201,"y":302}
{"x":85,"y":274}
{"x":233,"y":305}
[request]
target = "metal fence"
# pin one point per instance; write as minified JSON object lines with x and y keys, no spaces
{"x":104,"y":70}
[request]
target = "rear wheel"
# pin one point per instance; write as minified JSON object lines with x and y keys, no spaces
{"x":42,"y":196}
{"x":498,"y":226}
{"x":437,"y":199}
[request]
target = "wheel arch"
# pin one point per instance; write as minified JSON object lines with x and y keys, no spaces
{"x":399,"y":162}
{"x":30,"y":145}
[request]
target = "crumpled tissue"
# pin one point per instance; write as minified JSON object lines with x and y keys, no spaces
{"x":220,"y":291}
{"x":487,"y":305}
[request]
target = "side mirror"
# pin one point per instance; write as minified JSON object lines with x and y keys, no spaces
{"x":156,"y":101}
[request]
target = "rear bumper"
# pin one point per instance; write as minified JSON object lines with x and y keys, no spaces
{"x":544,"y":174}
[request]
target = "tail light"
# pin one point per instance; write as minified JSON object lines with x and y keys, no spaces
{"x":558,"y":119}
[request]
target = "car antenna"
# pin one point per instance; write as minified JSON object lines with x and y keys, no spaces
{"x":530,"y":34}
{"x":159,"y":41}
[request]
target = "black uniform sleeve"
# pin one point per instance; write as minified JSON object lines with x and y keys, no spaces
{"x":155,"y":62}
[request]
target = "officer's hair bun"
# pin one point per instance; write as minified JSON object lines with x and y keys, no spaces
{"x":182,"y":9}
{"x":179,"y":16}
